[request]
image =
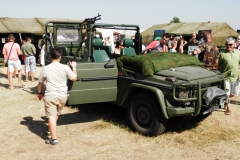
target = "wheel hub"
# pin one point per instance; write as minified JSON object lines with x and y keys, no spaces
{"x":144,"y":115}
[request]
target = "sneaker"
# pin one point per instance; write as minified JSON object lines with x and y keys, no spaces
{"x":51,"y":141}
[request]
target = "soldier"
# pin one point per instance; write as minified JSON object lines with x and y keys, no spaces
{"x":193,"y":41}
{"x":208,"y":53}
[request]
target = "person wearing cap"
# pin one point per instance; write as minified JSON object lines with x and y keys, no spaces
{"x":207,"y":53}
{"x":228,"y":65}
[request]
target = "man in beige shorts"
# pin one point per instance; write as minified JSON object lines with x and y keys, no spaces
{"x":55,"y":76}
{"x":228,"y":63}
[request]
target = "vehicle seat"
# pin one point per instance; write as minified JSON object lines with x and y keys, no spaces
{"x":99,"y":55}
{"x":63,"y":49}
{"x":128,"y":50}
{"x":108,"y":49}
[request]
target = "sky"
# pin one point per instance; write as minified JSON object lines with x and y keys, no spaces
{"x":144,"y":13}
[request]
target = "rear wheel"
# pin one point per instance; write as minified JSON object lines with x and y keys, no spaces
{"x":145,"y":116}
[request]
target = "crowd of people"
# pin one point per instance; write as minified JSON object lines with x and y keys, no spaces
{"x":174,"y":43}
{"x":55,"y":74}
{"x":12,"y":52}
{"x":225,"y":61}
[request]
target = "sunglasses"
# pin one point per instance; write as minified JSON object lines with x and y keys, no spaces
{"x":229,"y":44}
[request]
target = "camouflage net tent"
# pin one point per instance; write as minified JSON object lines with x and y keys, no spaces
{"x":26,"y":25}
{"x":220,"y":30}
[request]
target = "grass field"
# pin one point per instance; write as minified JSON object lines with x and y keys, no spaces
{"x":100,"y":131}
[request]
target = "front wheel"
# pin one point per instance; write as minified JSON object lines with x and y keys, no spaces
{"x":145,"y":116}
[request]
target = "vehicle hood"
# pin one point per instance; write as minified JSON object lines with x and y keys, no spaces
{"x":187,"y":73}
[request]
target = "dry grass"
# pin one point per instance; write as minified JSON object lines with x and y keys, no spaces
{"x":100,"y":131}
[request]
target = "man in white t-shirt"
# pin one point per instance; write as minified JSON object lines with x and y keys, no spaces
{"x":55,"y":76}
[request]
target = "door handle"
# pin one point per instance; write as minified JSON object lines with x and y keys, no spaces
{"x":109,"y":66}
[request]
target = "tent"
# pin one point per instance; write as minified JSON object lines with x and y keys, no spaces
{"x":26,"y":25}
{"x":220,"y":30}
{"x":33,"y":27}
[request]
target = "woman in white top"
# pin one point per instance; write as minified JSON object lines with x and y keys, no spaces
{"x":119,"y":46}
{"x":42,"y":53}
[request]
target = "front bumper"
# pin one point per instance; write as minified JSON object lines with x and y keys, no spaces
{"x":199,"y":106}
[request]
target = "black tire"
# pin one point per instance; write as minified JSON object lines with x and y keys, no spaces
{"x":145,"y":116}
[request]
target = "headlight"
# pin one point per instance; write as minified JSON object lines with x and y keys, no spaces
{"x":183,"y":92}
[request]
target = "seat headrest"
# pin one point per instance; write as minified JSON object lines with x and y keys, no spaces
{"x":63,"y":50}
{"x":128,"y":42}
{"x":97,"y":42}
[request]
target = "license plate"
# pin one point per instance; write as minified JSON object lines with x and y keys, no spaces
{"x":222,"y":101}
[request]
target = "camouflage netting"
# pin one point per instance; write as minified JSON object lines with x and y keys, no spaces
{"x":220,"y":31}
{"x":151,"y":63}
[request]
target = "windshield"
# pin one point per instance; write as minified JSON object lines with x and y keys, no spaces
{"x":67,"y":35}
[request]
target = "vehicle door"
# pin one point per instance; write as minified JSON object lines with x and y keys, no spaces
{"x":97,"y":82}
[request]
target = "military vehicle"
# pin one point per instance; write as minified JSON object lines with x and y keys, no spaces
{"x":151,"y":98}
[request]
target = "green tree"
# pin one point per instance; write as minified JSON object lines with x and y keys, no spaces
{"x":175,"y":20}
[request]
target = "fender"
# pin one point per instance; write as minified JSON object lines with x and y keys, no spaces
{"x":155,"y":90}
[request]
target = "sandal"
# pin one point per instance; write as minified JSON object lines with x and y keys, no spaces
{"x":21,"y":86}
{"x":12,"y":88}
{"x":225,"y":107}
{"x":228,"y":112}
{"x":25,"y":80}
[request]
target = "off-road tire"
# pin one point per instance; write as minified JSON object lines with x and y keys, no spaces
{"x":145,"y":116}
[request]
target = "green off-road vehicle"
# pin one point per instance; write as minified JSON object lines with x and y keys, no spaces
{"x":154,"y":87}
